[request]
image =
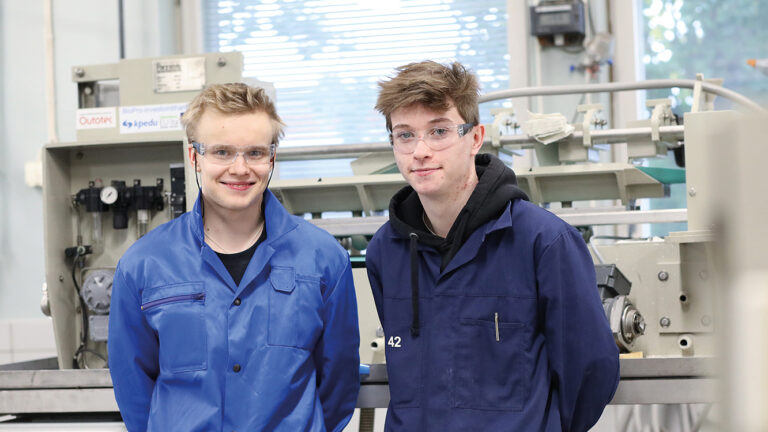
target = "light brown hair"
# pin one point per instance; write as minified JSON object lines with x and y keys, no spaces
{"x":433,"y":85}
{"x":231,"y":98}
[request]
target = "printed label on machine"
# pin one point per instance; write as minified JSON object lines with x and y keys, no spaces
{"x":96,"y":118}
{"x":151,"y":118}
{"x":174,"y":75}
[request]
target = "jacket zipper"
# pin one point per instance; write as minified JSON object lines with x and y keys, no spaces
{"x":198,"y":296}
{"x":496,"y":320}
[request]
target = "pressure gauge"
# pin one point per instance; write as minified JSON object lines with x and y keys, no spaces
{"x":108,"y":195}
{"x":97,"y":290}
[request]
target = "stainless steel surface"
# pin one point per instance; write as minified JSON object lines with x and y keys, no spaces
{"x":647,"y":380}
{"x":643,"y":381}
{"x":660,"y":367}
{"x":43,"y":363}
{"x":666,"y":391}
{"x":57,"y":401}
{"x":629,"y":392}
{"x":55,"y":379}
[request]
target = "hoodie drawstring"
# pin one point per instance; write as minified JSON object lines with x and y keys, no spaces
{"x":414,"y":283}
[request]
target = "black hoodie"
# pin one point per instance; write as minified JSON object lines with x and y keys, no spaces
{"x":496,"y":187}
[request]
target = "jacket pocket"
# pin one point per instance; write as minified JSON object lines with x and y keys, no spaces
{"x":295,"y":309}
{"x":491,"y":374}
{"x":177,"y":313}
{"x":403,"y":353}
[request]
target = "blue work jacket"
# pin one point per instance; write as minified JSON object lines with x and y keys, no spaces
{"x":191,"y":351}
{"x":512,"y":335}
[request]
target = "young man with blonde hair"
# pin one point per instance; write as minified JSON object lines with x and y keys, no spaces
{"x":489,"y":303}
{"x":236,"y":315}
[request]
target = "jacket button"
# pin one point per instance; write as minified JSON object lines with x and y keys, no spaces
{"x":237,"y":301}
{"x":236,"y":367}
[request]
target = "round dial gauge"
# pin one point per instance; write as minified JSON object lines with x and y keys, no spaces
{"x":108,"y":195}
{"x":97,"y":290}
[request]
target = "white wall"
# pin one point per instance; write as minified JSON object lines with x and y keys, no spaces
{"x":23,"y":134}
{"x":85,"y":32}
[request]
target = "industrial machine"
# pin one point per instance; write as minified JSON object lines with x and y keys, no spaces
{"x":123,"y":176}
{"x":127,"y":174}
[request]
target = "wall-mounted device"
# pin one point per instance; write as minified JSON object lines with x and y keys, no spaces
{"x":558,"y":22}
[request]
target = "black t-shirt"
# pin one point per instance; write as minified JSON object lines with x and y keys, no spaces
{"x":236,"y":263}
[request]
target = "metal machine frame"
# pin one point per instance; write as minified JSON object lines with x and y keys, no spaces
{"x":108,"y":154}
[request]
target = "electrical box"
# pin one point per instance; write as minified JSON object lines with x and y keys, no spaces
{"x":559,"y":23}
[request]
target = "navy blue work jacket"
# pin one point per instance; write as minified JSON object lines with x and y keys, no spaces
{"x":191,"y":351}
{"x":513,"y":336}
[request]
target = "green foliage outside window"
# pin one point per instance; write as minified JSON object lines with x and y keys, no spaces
{"x":711,"y":37}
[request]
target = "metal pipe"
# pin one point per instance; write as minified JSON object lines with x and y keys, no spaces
{"x":616,"y":87}
{"x":121,"y":27}
{"x":50,"y":72}
{"x":608,"y":136}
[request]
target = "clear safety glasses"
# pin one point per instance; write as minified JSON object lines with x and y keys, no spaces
{"x":437,"y":138}
{"x":221,"y":154}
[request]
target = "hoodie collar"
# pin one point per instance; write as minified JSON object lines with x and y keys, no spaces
{"x":497,"y":186}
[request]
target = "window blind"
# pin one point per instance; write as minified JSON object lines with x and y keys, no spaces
{"x":326,"y":57}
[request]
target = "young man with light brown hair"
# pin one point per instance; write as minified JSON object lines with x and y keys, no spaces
{"x":236,"y":315}
{"x":489,"y":303}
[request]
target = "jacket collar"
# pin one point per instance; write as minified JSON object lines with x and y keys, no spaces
{"x":469,"y":249}
{"x":278,"y":221}
{"x":503,"y":221}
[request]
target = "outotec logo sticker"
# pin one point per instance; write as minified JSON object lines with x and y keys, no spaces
{"x":96,"y":118}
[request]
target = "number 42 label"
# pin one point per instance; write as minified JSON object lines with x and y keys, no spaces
{"x":394,"y":341}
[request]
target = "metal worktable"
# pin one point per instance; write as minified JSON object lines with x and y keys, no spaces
{"x":46,"y":391}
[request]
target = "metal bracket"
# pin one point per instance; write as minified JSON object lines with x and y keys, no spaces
{"x":502,"y":118}
{"x":365,"y":199}
{"x":535,"y":190}
{"x":621,"y":182}
{"x":708,"y":102}
{"x":590,"y":111}
{"x":660,"y":116}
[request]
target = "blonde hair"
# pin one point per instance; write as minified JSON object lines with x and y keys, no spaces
{"x":433,"y":85}
{"x":231,"y":98}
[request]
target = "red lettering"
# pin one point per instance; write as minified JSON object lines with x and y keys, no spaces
{"x":88,"y":121}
